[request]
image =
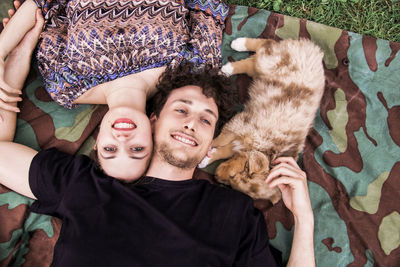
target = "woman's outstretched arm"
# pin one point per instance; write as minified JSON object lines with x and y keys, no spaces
{"x":17,"y":67}
{"x":23,"y":20}
{"x":15,"y":159}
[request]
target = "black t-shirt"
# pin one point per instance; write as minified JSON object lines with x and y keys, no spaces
{"x":153,"y":223}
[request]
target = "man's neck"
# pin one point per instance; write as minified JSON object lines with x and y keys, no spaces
{"x":163,"y":170}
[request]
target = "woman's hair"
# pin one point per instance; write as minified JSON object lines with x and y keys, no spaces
{"x":213,"y":84}
{"x":95,"y":157}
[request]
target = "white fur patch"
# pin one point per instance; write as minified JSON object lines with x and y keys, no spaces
{"x":239,"y":44}
{"x":238,"y":146}
{"x":206,"y":160}
{"x":227,"y":69}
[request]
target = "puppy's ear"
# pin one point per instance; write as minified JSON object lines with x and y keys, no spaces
{"x":238,"y":163}
{"x":232,"y":166}
{"x":258,"y":162}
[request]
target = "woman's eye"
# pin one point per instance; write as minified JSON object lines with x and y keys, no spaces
{"x":109,"y":149}
{"x":137,"y":149}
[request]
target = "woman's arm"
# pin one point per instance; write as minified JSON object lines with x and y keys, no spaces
{"x":23,"y":20}
{"x":292,"y":182}
{"x":15,"y":159}
{"x":16,"y":69}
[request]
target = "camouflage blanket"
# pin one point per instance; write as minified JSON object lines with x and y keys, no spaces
{"x":351,"y":155}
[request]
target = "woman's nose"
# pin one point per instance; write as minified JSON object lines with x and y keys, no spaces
{"x":121,"y":134}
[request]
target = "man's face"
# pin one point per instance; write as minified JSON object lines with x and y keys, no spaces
{"x":184,"y":130}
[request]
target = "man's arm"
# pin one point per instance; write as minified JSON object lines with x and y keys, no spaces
{"x":23,"y":20}
{"x":16,"y":69}
{"x":15,"y":161}
{"x":292,"y":182}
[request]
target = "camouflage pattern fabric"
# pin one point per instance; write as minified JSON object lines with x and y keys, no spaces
{"x":351,"y":155}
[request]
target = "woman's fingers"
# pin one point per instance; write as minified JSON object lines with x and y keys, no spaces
{"x":8,"y":88}
{"x":7,"y":98}
{"x":17,"y":4}
{"x":11,"y":12}
{"x":39,"y":22}
{"x":8,"y":107}
{"x":5,"y":21}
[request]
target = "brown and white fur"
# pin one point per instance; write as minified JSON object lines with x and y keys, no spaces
{"x":288,"y":83}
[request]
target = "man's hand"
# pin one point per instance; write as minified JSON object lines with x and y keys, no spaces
{"x":292,"y":182}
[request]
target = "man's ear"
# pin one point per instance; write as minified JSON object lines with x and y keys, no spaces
{"x":95,"y":147}
{"x":153,"y":119}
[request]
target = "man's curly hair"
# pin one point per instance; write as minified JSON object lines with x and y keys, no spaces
{"x":213,"y":84}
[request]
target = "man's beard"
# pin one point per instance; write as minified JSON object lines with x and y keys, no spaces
{"x":167,"y":153}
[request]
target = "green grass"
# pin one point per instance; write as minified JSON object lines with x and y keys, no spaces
{"x":377,"y":18}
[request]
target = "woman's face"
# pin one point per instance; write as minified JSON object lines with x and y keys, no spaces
{"x":124,"y":144}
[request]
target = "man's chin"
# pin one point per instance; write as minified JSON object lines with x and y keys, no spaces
{"x":180,"y":159}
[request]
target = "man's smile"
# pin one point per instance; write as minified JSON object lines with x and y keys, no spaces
{"x":184,"y":139}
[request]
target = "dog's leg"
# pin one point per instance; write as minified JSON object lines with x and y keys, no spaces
{"x":243,"y":66}
{"x":222,"y":152}
{"x":250,"y":44}
{"x":222,"y":148}
{"x":223,"y":145}
{"x":223,"y":138}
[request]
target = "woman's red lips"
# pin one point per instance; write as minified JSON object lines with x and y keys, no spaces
{"x":123,"y":124}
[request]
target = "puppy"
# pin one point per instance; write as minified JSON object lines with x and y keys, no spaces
{"x":288,"y":83}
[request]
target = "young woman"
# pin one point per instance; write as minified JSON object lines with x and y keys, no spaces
{"x":113,"y":52}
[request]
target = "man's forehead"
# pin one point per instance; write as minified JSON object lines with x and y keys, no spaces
{"x":193,"y":95}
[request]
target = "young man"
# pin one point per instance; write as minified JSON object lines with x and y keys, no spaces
{"x":184,"y":121}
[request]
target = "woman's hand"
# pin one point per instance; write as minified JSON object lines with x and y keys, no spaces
{"x":292,"y":182}
{"x":17,"y":63}
{"x":11,"y":12}
{"x":7,"y":93}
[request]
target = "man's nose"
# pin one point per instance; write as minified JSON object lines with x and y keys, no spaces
{"x":190,"y":124}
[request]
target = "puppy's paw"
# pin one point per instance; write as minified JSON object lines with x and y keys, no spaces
{"x":227,"y":69}
{"x":206,"y":160}
{"x":239,"y":44}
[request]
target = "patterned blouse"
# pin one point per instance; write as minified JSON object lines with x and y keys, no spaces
{"x":89,"y":42}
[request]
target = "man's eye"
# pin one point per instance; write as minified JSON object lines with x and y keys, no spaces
{"x":181,"y":111}
{"x":137,"y":149}
{"x":206,"y":121}
{"x":109,"y":149}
